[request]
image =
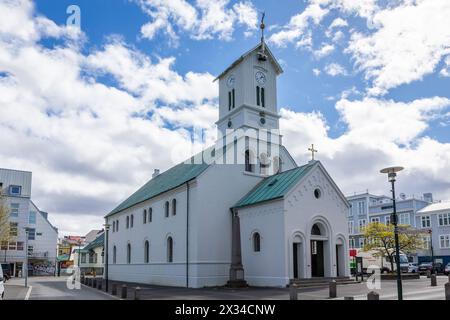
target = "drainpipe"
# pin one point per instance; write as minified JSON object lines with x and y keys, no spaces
{"x":187,"y":234}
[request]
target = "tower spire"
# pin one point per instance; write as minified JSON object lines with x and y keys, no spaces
{"x":262,"y":53}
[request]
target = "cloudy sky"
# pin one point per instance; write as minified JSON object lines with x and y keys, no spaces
{"x":92,"y":112}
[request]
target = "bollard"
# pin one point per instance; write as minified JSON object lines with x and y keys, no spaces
{"x":293,"y":293}
{"x":94,"y":283}
{"x":433,"y":280}
{"x":100,"y":284}
{"x":114,"y":289}
{"x":137,"y":293}
{"x":372,"y":295}
{"x":349,"y":298}
{"x":124,"y":291}
{"x":428,"y":274}
{"x":447,"y":291}
{"x":333,"y":289}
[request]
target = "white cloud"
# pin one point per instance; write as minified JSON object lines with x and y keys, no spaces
{"x":316,"y":72}
{"x":445,"y":71}
{"x":335,"y":69}
{"x":324,"y":51}
{"x":204,"y":20}
{"x":338,"y":23}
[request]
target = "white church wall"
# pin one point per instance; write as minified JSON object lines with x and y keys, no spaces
{"x":267,"y":267}
{"x":303,"y":210}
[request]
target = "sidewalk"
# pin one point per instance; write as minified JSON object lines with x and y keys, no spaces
{"x":15,"y":289}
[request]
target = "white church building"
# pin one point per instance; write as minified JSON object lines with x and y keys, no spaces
{"x":241,"y":212}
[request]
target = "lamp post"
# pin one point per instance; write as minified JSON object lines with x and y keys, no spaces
{"x":26,"y":257}
{"x":79,"y":253}
{"x":107,"y":226}
{"x":392,"y":173}
{"x":430,"y":232}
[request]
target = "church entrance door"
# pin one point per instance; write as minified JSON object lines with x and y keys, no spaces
{"x":317,"y":259}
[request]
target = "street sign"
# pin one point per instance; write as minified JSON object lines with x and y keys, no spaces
{"x":353,"y":252}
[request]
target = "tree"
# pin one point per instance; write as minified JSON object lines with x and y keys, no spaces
{"x":5,"y":235}
{"x":380,"y":238}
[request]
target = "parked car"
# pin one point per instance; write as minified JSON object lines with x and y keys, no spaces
{"x":2,"y":287}
{"x":6,"y":268}
{"x":426,"y":267}
{"x":413,"y":268}
{"x":447,"y":269}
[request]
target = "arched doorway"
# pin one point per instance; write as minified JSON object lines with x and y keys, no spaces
{"x":298,"y":270}
{"x":340,"y":256}
{"x":319,"y":250}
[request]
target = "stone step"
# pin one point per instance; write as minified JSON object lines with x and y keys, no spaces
{"x":320,"y":282}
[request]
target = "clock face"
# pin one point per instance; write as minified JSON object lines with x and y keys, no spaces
{"x":231,"y":81}
{"x":260,"y":77}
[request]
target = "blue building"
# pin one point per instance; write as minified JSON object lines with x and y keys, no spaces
{"x":366,"y":208}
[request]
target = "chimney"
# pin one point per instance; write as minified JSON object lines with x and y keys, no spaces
{"x":155,"y":173}
{"x":428,"y":197}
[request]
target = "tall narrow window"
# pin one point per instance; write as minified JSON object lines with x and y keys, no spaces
{"x":114,"y":226}
{"x":147,"y":252}
{"x":257,"y":96}
{"x":117,"y":225}
{"x":150,"y":215}
{"x":128,"y":222}
{"x":132,"y":221}
{"x":169,"y":249}
{"x":248,"y":160}
{"x":114,"y":254}
{"x":263,"y":98}
{"x":229,"y":100}
{"x":234,"y":104}
{"x":174,"y":207}
{"x":256,"y":242}
{"x":144,"y":216}
{"x":166,"y":209}
{"x":128,"y":253}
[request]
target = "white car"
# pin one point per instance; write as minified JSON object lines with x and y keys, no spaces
{"x":413,"y":268}
{"x":2,"y":287}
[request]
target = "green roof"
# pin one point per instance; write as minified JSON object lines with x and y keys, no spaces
{"x":274,"y":187}
{"x":172,"y":178}
{"x":98,"y":242}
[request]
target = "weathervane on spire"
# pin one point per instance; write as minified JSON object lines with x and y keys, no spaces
{"x":262,"y":54}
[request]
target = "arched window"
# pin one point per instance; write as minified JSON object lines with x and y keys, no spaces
{"x":174,"y":206}
{"x":166,"y":209}
{"x":233,"y":96}
{"x":256,"y":242}
{"x":117,"y":225}
{"x":128,"y":222}
{"x":263,"y":98}
{"x":258,"y":101}
{"x":128,"y":253}
{"x":114,"y":254}
{"x":150,"y":214}
{"x":147,"y":252}
{"x":132,"y":221}
{"x":315,"y":231}
{"x":169,"y":249}
{"x":144,"y":216}
{"x":248,"y":161}
{"x":229,"y":100}
{"x":114,"y":226}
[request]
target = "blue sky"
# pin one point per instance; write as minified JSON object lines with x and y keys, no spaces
{"x":366,"y":81}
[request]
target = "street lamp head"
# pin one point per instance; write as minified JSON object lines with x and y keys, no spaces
{"x":391,"y":172}
{"x":107,"y":226}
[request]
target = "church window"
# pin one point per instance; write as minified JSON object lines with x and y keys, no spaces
{"x":150,"y":215}
{"x":256,"y":242}
{"x":117,"y":225}
{"x":263,"y":98}
{"x":114,"y":226}
{"x":248,"y":164}
{"x":128,"y":253}
{"x":315,"y":231}
{"x":169,"y":249}
{"x":233,"y":96}
{"x":144,"y":216}
{"x":174,"y":207}
{"x":166,"y":209}
{"x":128,"y":222}
{"x":317,"y":193}
{"x":258,"y":96}
{"x":229,"y":100}
{"x":147,"y":252}
{"x":132,"y":221}
{"x":114,"y":254}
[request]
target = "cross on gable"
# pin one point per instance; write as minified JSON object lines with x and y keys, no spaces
{"x":313,"y":151}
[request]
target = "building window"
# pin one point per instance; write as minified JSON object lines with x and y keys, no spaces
{"x":128,"y":253}
{"x":375,"y":219}
{"x":256,"y":242}
{"x":234,"y":98}
{"x":403,"y":218}
{"x":114,"y":226}
{"x":426,"y":242}
{"x":361,"y":207}
{"x":263,"y":98}
{"x":425,"y":221}
{"x":351,"y":243}
{"x":362,"y":242}
{"x":12,"y":245}
{"x":117,"y":225}
{"x":144,"y":216}
{"x":229,"y":100}
{"x":387,"y":220}
{"x":31,"y":234}
{"x":174,"y":207}
{"x":19,"y":246}
{"x":14,"y":212}
{"x":258,"y":89}
{"x":361,"y":224}
{"x":150,"y":215}
{"x":444,"y":241}
{"x":4,"y":245}
{"x":166,"y":209}
{"x":114,"y":254}
{"x":248,"y":161}
{"x":350,"y":211}
{"x":350,"y":227}
{"x":13,"y":229}
{"x":444,"y":219}
{"x":147,"y":252}
{"x":83,"y":257}
{"x":317,"y":193}
{"x":132,"y":221}
{"x":128,"y":222}
{"x":15,"y":190}
{"x":169,"y":249}
{"x":32,"y":217}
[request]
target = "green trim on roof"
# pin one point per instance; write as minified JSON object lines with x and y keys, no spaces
{"x":63,"y":257}
{"x":274,"y":187}
{"x":98,"y":242}
{"x":171,"y":179}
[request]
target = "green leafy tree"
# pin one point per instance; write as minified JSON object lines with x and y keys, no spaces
{"x":380,"y":238}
